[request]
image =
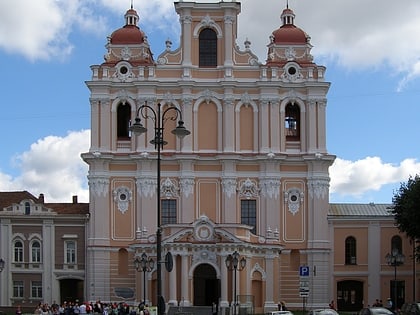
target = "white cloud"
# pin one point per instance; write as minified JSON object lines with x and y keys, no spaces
{"x":358,"y":34}
{"x":356,"y":178}
{"x":53,"y":166}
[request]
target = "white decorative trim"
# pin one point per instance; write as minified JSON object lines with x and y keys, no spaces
{"x":229,"y":186}
{"x":258,"y":268}
{"x":99,"y":186}
{"x":186,"y":186}
{"x":270,"y":187}
{"x":318,"y":187}
{"x":122,"y":196}
{"x":146,"y":186}
{"x":169,"y":189}
{"x":248,"y":188}
{"x":293,"y":198}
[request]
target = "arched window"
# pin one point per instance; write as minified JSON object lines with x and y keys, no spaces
{"x":18,"y":252}
{"x":292,"y":122}
{"x":396,"y":245}
{"x":36,"y":252}
{"x":207,"y":48}
{"x":27,"y":208}
{"x":350,"y":251}
{"x":123,"y":121}
{"x":123,"y":262}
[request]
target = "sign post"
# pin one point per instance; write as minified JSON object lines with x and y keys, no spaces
{"x":304,"y":284}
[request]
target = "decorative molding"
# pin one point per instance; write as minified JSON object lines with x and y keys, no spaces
{"x":146,"y":186}
{"x":229,"y":186}
{"x":169,"y":189}
{"x":270,"y":187}
{"x":318,"y":187}
{"x":293,"y":198}
{"x":99,"y":186}
{"x":122,"y":197}
{"x":186,"y":186}
{"x":248,"y":188}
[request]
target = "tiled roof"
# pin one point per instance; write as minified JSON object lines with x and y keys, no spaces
{"x":7,"y":198}
{"x":360,"y":209}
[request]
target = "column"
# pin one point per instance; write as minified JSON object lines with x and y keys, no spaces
{"x":172,"y":285}
{"x":185,"y":298}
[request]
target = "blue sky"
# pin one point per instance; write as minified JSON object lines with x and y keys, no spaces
{"x":371,"y":49}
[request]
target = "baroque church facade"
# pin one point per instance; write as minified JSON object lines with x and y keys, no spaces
{"x":251,"y":178}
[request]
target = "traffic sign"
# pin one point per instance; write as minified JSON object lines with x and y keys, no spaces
{"x":304,"y":271}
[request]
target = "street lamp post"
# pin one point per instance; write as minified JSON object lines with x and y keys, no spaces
{"x":145,"y":264}
{"x":159,"y":118}
{"x":236,"y":263}
{"x":2,"y":263}
{"x":395,"y":259}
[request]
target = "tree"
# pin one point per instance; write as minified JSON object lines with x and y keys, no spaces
{"x":406,"y":210}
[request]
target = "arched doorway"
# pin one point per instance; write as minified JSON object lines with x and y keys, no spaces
{"x":350,"y":295}
{"x":206,"y":285}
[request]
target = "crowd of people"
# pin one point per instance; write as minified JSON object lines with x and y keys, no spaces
{"x":76,"y":308}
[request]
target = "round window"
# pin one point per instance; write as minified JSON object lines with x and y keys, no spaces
{"x":123,"y":197}
{"x":293,"y":198}
{"x":291,"y":70}
{"x":123,"y":70}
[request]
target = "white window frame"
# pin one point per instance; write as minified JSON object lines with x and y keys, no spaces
{"x":18,"y":289}
{"x":36,"y":255}
{"x":18,"y":252}
{"x":36,"y":287}
{"x":70,"y":254}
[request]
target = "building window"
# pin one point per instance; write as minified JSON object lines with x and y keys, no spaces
{"x":350,"y":251}
{"x":123,"y":121}
{"x":292,"y":122}
{"x":36,"y":289}
{"x":168,"y":211}
{"x":36,"y":252}
{"x":18,"y":252}
{"x":27,"y":208}
{"x":249,"y":213}
{"x":70,"y":251}
{"x":396,"y":245}
{"x":18,"y":289}
{"x":208,"y":48}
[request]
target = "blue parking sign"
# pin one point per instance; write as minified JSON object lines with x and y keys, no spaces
{"x":304,"y":271}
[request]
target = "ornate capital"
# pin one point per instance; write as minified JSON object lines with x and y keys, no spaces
{"x":99,"y":186}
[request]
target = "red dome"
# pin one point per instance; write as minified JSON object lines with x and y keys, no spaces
{"x":129,"y":34}
{"x":289,"y":34}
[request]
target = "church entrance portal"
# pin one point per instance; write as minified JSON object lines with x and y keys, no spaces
{"x":206,"y":286}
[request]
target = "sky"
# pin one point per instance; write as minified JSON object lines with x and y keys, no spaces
{"x":371,"y":49}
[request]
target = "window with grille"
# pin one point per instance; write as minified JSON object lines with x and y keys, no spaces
{"x":168,"y":214}
{"x":18,"y":289}
{"x":350,"y":251}
{"x":207,"y":48}
{"x":36,"y":289}
{"x":70,"y":252}
{"x":249,"y":213}
{"x":36,"y":252}
{"x":18,"y":252}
